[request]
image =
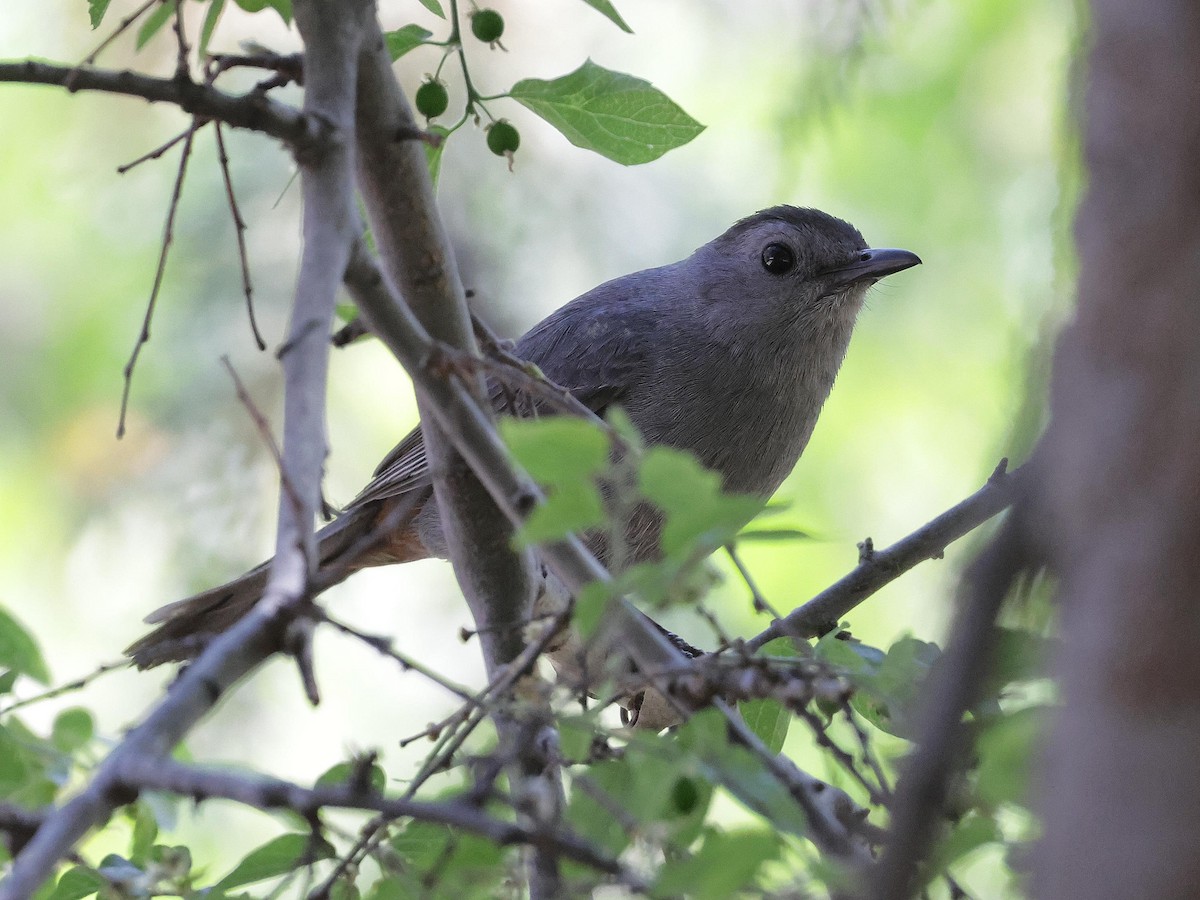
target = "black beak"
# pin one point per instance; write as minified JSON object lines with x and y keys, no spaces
{"x":871,"y":265}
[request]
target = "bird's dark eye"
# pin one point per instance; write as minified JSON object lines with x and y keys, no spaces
{"x":778,"y":259}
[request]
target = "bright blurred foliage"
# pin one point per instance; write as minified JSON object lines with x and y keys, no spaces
{"x":940,"y":126}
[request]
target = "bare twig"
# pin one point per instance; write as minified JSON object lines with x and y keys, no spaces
{"x":141,"y":773}
{"x":158,"y":151}
{"x":121,"y":28}
{"x":256,"y":112}
{"x":181,"y":61}
{"x":289,"y":66}
{"x":761,"y":604}
{"x":168,"y":236}
{"x":69,"y":687}
{"x":239,"y":228}
{"x":822,"y":613}
{"x":383,"y":645}
{"x":264,"y":431}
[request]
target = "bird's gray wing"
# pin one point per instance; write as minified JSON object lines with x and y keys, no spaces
{"x":593,"y":347}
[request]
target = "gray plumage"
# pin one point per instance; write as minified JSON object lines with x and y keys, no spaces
{"x":721,"y":354}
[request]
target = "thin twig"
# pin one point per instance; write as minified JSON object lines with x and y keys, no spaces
{"x":239,"y":227}
{"x":761,"y":604}
{"x":383,"y":645}
{"x":181,"y":63}
{"x":264,"y":431}
{"x":69,"y":687}
{"x":158,"y":151}
{"x":289,"y":65}
{"x":122,"y":26}
{"x":168,"y":236}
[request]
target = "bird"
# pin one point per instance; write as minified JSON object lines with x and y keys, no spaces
{"x":728,"y":355}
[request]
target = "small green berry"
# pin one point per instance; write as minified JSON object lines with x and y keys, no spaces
{"x":487,"y":25}
{"x":502,"y":138}
{"x":432,"y":99}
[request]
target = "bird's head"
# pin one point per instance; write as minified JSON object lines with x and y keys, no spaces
{"x":791,"y":264}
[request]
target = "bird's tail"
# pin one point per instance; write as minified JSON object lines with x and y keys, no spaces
{"x":186,"y":626}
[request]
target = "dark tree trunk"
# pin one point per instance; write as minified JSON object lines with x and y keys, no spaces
{"x":1120,"y":785}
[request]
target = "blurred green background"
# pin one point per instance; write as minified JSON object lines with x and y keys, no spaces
{"x":941,"y":126}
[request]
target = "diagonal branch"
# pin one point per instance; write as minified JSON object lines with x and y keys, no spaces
{"x":822,"y":613}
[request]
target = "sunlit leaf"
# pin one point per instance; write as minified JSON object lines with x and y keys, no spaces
{"x":563,"y":455}
{"x":96,"y":11}
{"x":725,"y":862}
{"x":619,"y":116}
{"x":700,"y":516}
{"x":76,"y":883}
{"x":283,"y":7}
{"x":277,"y":856}
{"x":434,"y":7}
{"x":72,"y":729}
{"x":769,"y":719}
{"x":19,"y":651}
{"x":211,"y":16}
{"x":1004,"y":749}
{"x":342,"y":772}
{"x":405,"y":39}
{"x":606,"y":9}
{"x":155,"y":21}
{"x":433,"y":152}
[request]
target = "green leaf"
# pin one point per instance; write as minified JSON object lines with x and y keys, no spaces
{"x":404,"y":39}
{"x":434,"y":7}
{"x":700,"y":516}
{"x":590,"y":607}
{"x":283,"y":7}
{"x":773,"y":534}
{"x":76,"y":883}
{"x":155,"y":21}
{"x":145,"y":832}
{"x":623,"y":118}
{"x":557,"y":449}
{"x":19,"y":651}
{"x":211,"y":17}
{"x":769,"y":719}
{"x":276,"y":857}
{"x":1005,"y":749}
{"x":970,"y":833}
{"x":96,"y":11}
{"x":342,"y":772}
{"x":726,"y":862}
{"x":421,"y":843}
{"x":739,"y":771}
{"x":433,"y":154}
{"x":563,"y":455}
{"x":606,"y":9}
{"x":72,"y":729}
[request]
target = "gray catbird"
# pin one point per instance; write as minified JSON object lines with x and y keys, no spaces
{"x":728,"y":354}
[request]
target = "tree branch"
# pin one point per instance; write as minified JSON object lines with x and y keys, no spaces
{"x":822,"y":613}
{"x":329,"y":217}
{"x":262,"y":792}
{"x":254,"y":111}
